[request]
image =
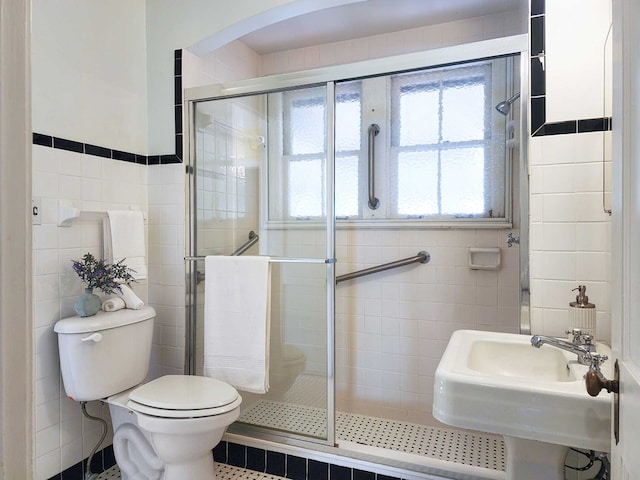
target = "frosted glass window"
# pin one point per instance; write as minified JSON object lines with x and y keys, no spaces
{"x":306,"y":127}
{"x":419,"y":114}
{"x":348,"y":144}
{"x":464,"y":168}
{"x":440,"y":154}
{"x":305,"y":188}
{"x":442,"y":162}
{"x":418,"y":183}
{"x":304,"y":151}
{"x":347,"y":186}
{"x":463,"y":110}
{"x":348,"y":113}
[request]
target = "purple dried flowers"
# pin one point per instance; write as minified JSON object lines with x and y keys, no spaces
{"x":100,"y":274}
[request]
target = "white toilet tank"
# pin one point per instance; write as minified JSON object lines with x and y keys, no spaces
{"x":106,"y":353}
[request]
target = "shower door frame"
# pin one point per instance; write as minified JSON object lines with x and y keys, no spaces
{"x":327,"y":77}
{"x":216,"y":92}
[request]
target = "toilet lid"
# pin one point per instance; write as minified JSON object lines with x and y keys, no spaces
{"x":184,"y":392}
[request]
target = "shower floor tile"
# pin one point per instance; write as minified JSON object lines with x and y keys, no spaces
{"x":223,"y":472}
{"x":304,"y":411}
{"x":466,"y":448}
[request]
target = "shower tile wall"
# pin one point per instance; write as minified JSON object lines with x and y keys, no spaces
{"x":392,"y":328}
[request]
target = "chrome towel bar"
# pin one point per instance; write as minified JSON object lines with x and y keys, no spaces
{"x":422,"y":257}
{"x":275,"y":259}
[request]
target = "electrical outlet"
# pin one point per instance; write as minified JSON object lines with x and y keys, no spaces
{"x":36,"y":211}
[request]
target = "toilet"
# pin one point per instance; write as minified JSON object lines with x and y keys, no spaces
{"x":164,"y":429}
{"x":287,"y":363}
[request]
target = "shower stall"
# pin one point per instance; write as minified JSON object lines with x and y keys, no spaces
{"x":402,"y":162}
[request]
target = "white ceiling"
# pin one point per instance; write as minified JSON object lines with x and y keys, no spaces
{"x":370,"y":17}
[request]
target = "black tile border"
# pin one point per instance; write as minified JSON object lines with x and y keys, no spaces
{"x":539,"y":125}
{"x":294,"y":467}
{"x":101,"y":461}
{"x":260,"y":460}
{"x":105,"y":152}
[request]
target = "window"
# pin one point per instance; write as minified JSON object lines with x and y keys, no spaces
{"x":444,"y":161}
{"x":440,"y":155}
{"x":303,"y":152}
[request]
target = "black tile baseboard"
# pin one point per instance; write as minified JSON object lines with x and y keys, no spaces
{"x":294,"y":467}
{"x":260,"y":460}
{"x":101,"y":461}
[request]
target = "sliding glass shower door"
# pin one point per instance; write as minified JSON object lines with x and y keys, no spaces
{"x":258,"y":164}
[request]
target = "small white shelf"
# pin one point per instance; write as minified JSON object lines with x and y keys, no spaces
{"x":484,"y":258}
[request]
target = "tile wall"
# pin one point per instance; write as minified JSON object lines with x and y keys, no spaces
{"x":570,"y":169}
{"x":97,"y":178}
{"x":62,"y":436}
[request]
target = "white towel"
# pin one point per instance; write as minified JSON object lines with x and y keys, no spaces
{"x":113,"y":304}
{"x":131,"y":300}
{"x":124,"y":239}
{"x":237,"y":321}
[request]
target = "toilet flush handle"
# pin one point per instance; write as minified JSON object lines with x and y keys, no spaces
{"x":94,"y":337}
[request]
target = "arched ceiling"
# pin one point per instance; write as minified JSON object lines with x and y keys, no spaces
{"x":370,"y":17}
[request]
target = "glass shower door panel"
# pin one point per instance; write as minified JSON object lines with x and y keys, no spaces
{"x":297,"y":400}
{"x":256,"y":154}
{"x":229,"y":151}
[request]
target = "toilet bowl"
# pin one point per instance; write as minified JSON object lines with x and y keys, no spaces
{"x":167,"y":428}
{"x":164,"y":429}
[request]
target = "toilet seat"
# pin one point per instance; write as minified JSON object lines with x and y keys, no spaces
{"x":184,"y":396}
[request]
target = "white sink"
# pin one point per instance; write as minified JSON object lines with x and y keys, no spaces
{"x":500,"y":383}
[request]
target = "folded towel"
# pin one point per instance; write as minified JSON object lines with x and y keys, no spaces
{"x":124,"y":239}
{"x":131,"y":300}
{"x":112,"y":304}
{"x":237,"y":321}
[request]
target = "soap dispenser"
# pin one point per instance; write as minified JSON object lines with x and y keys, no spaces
{"x":582,"y":314}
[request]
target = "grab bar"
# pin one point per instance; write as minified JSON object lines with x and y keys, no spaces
{"x":374,"y":129}
{"x":422,"y":257}
{"x":253,"y":239}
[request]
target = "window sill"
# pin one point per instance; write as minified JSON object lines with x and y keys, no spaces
{"x":488,"y":223}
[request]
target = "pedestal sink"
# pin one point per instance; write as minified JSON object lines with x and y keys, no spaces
{"x":535,"y":397}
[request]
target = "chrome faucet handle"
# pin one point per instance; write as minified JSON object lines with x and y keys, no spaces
{"x":595,"y":380}
{"x":597,"y":359}
{"x":577,"y":335}
{"x":588,"y":339}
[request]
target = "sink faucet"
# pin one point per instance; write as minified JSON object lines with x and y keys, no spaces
{"x":584,"y":355}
